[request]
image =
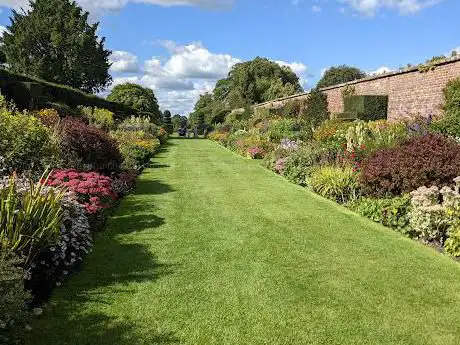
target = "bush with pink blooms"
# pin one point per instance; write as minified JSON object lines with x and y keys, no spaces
{"x":256,"y":153}
{"x":94,"y":191}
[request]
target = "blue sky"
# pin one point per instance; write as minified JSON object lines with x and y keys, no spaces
{"x":181,"y":47}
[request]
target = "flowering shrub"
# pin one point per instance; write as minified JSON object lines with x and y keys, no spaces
{"x":138,"y":124}
{"x":136,"y":147}
{"x":221,"y":137}
{"x":421,"y":161}
{"x":256,"y":153}
{"x":352,"y":155}
{"x":162,"y":135}
{"x":93,"y":190}
{"x":85,"y":147}
{"x":25,"y":144}
{"x":431,"y":215}
{"x":48,"y":117}
{"x":328,"y":129}
{"x":289,"y":145}
{"x":55,"y":264}
{"x":123,"y":183}
{"x":300,"y":163}
{"x":279,"y":165}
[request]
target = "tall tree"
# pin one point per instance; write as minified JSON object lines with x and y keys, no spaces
{"x":256,"y":81}
{"x":179,"y":121}
{"x":167,"y":121}
{"x":340,"y":74}
{"x":140,"y":98}
{"x":54,"y":41}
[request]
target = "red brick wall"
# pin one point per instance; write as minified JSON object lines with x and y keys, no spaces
{"x":409,"y":93}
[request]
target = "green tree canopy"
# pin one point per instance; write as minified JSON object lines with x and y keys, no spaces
{"x":140,"y":98}
{"x":248,"y":83}
{"x":256,"y":81}
{"x":340,"y":74}
{"x":179,"y":121}
{"x":54,"y":41}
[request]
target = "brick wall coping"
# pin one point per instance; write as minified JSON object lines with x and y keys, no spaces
{"x":392,"y":74}
{"x":363,"y":80}
{"x":282,"y":99}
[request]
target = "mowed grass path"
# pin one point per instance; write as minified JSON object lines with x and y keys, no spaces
{"x":214,"y":249}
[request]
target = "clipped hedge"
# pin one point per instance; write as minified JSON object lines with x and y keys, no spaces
{"x":32,"y":93}
{"x":367,"y":108}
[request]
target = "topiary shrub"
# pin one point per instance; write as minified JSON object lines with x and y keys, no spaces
{"x":87,"y":148}
{"x":367,"y":108}
{"x":421,"y":161}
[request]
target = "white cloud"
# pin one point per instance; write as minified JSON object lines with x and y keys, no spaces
{"x":297,"y":67}
{"x":2,"y":30}
{"x":185,"y":73}
{"x":380,"y":70}
{"x":323,"y":71}
{"x":195,"y":61}
{"x":370,"y":7}
{"x":123,"y":62}
{"x":456,"y":50}
{"x":114,"y":5}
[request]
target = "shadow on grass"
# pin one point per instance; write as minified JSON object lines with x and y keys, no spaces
{"x":123,"y":256}
{"x":152,"y":187}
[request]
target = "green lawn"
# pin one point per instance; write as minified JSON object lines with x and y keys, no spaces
{"x":214,"y":249}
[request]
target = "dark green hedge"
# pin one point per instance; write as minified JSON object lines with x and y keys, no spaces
{"x":367,"y":108}
{"x":32,"y":93}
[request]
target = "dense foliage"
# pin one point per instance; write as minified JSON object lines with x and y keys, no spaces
{"x":340,"y":74}
{"x":421,"y":161}
{"x":137,"y":97}
{"x":25,"y":143}
{"x":86,"y":147}
{"x":54,"y":41}
{"x":13,"y":312}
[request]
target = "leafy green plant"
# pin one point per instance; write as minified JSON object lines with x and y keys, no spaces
{"x":391,"y":212}
{"x":100,"y":118}
{"x":282,"y":128}
{"x":315,"y":111}
{"x":452,"y":244}
{"x":337,"y":183}
{"x":25,"y":143}
{"x":30,"y":218}
{"x":13,"y":312}
{"x":299,"y":164}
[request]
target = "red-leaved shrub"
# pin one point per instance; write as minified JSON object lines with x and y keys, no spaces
{"x":93,"y":190}
{"x":421,"y":161}
{"x":88,"y":148}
